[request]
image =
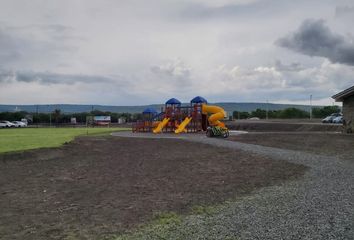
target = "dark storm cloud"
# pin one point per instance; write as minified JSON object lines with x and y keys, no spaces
{"x":314,"y":38}
{"x":48,"y":78}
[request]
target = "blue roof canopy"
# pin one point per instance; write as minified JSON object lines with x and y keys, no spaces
{"x":149,"y":111}
{"x":199,"y":99}
{"x":173,"y":101}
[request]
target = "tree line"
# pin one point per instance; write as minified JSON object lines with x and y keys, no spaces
{"x":288,"y":113}
{"x":57,"y":116}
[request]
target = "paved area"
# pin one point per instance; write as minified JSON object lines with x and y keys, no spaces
{"x":318,"y":206}
{"x":185,"y":136}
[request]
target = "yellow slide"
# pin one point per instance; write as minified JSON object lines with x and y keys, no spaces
{"x":217,"y":113}
{"x":182,"y":126}
{"x":161,"y":125}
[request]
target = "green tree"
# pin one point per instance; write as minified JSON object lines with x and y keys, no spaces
{"x":240,"y":115}
{"x":260,"y":113}
{"x":56,"y":115}
{"x":325,"y":111}
{"x":12,"y":116}
{"x":293,"y":113}
{"x":274,"y":113}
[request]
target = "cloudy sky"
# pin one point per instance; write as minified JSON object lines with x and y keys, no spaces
{"x":139,"y":52}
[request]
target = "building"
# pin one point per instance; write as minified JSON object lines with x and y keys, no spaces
{"x":122,"y":120}
{"x":347,"y":97}
{"x":102,"y":120}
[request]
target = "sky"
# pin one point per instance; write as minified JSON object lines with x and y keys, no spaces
{"x":133,"y":52}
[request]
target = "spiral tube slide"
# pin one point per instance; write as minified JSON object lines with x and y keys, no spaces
{"x":217,"y":113}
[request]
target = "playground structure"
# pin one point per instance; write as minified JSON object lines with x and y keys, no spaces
{"x":175,"y":118}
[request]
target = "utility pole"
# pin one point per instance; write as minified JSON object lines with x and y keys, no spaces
{"x":311,"y":107}
{"x":37,"y":115}
{"x":50,"y":116}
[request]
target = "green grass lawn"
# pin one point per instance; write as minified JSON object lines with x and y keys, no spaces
{"x":19,"y":139}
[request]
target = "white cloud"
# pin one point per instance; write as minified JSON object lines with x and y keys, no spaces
{"x":221,"y":3}
{"x":172,"y":69}
{"x":148,"y":51}
{"x":268,"y":82}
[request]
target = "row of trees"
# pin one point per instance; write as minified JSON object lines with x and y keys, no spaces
{"x":57,"y":116}
{"x":288,"y":113}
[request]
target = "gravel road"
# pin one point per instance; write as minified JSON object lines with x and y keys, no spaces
{"x":318,"y":206}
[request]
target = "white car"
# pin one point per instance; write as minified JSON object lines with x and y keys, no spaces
{"x":19,"y":124}
{"x":329,"y":119}
{"x":8,"y":124}
{"x":338,"y":119}
{"x":2,"y":125}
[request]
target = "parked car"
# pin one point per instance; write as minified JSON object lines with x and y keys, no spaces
{"x":329,"y":119}
{"x":3,"y":125}
{"x":19,"y":124}
{"x":24,"y":120}
{"x":8,"y":124}
{"x":338,"y":119}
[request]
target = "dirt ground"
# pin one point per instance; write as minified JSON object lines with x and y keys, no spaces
{"x":96,"y":187}
{"x":339,"y":145}
{"x":283,"y":126}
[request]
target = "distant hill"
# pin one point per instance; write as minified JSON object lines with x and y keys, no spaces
{"x":75,"y":108}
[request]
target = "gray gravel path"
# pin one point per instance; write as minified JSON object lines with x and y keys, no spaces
{"x":318,"y":206}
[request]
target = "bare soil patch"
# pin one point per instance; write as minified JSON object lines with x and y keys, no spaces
{"x":98,"y":186}
{"x":339,"y":145}
{"x":283,"y":126}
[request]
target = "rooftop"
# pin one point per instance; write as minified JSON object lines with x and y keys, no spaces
{"x":173,"y":101}
{"x":343,"y":94}
{"x":198,"y":99}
